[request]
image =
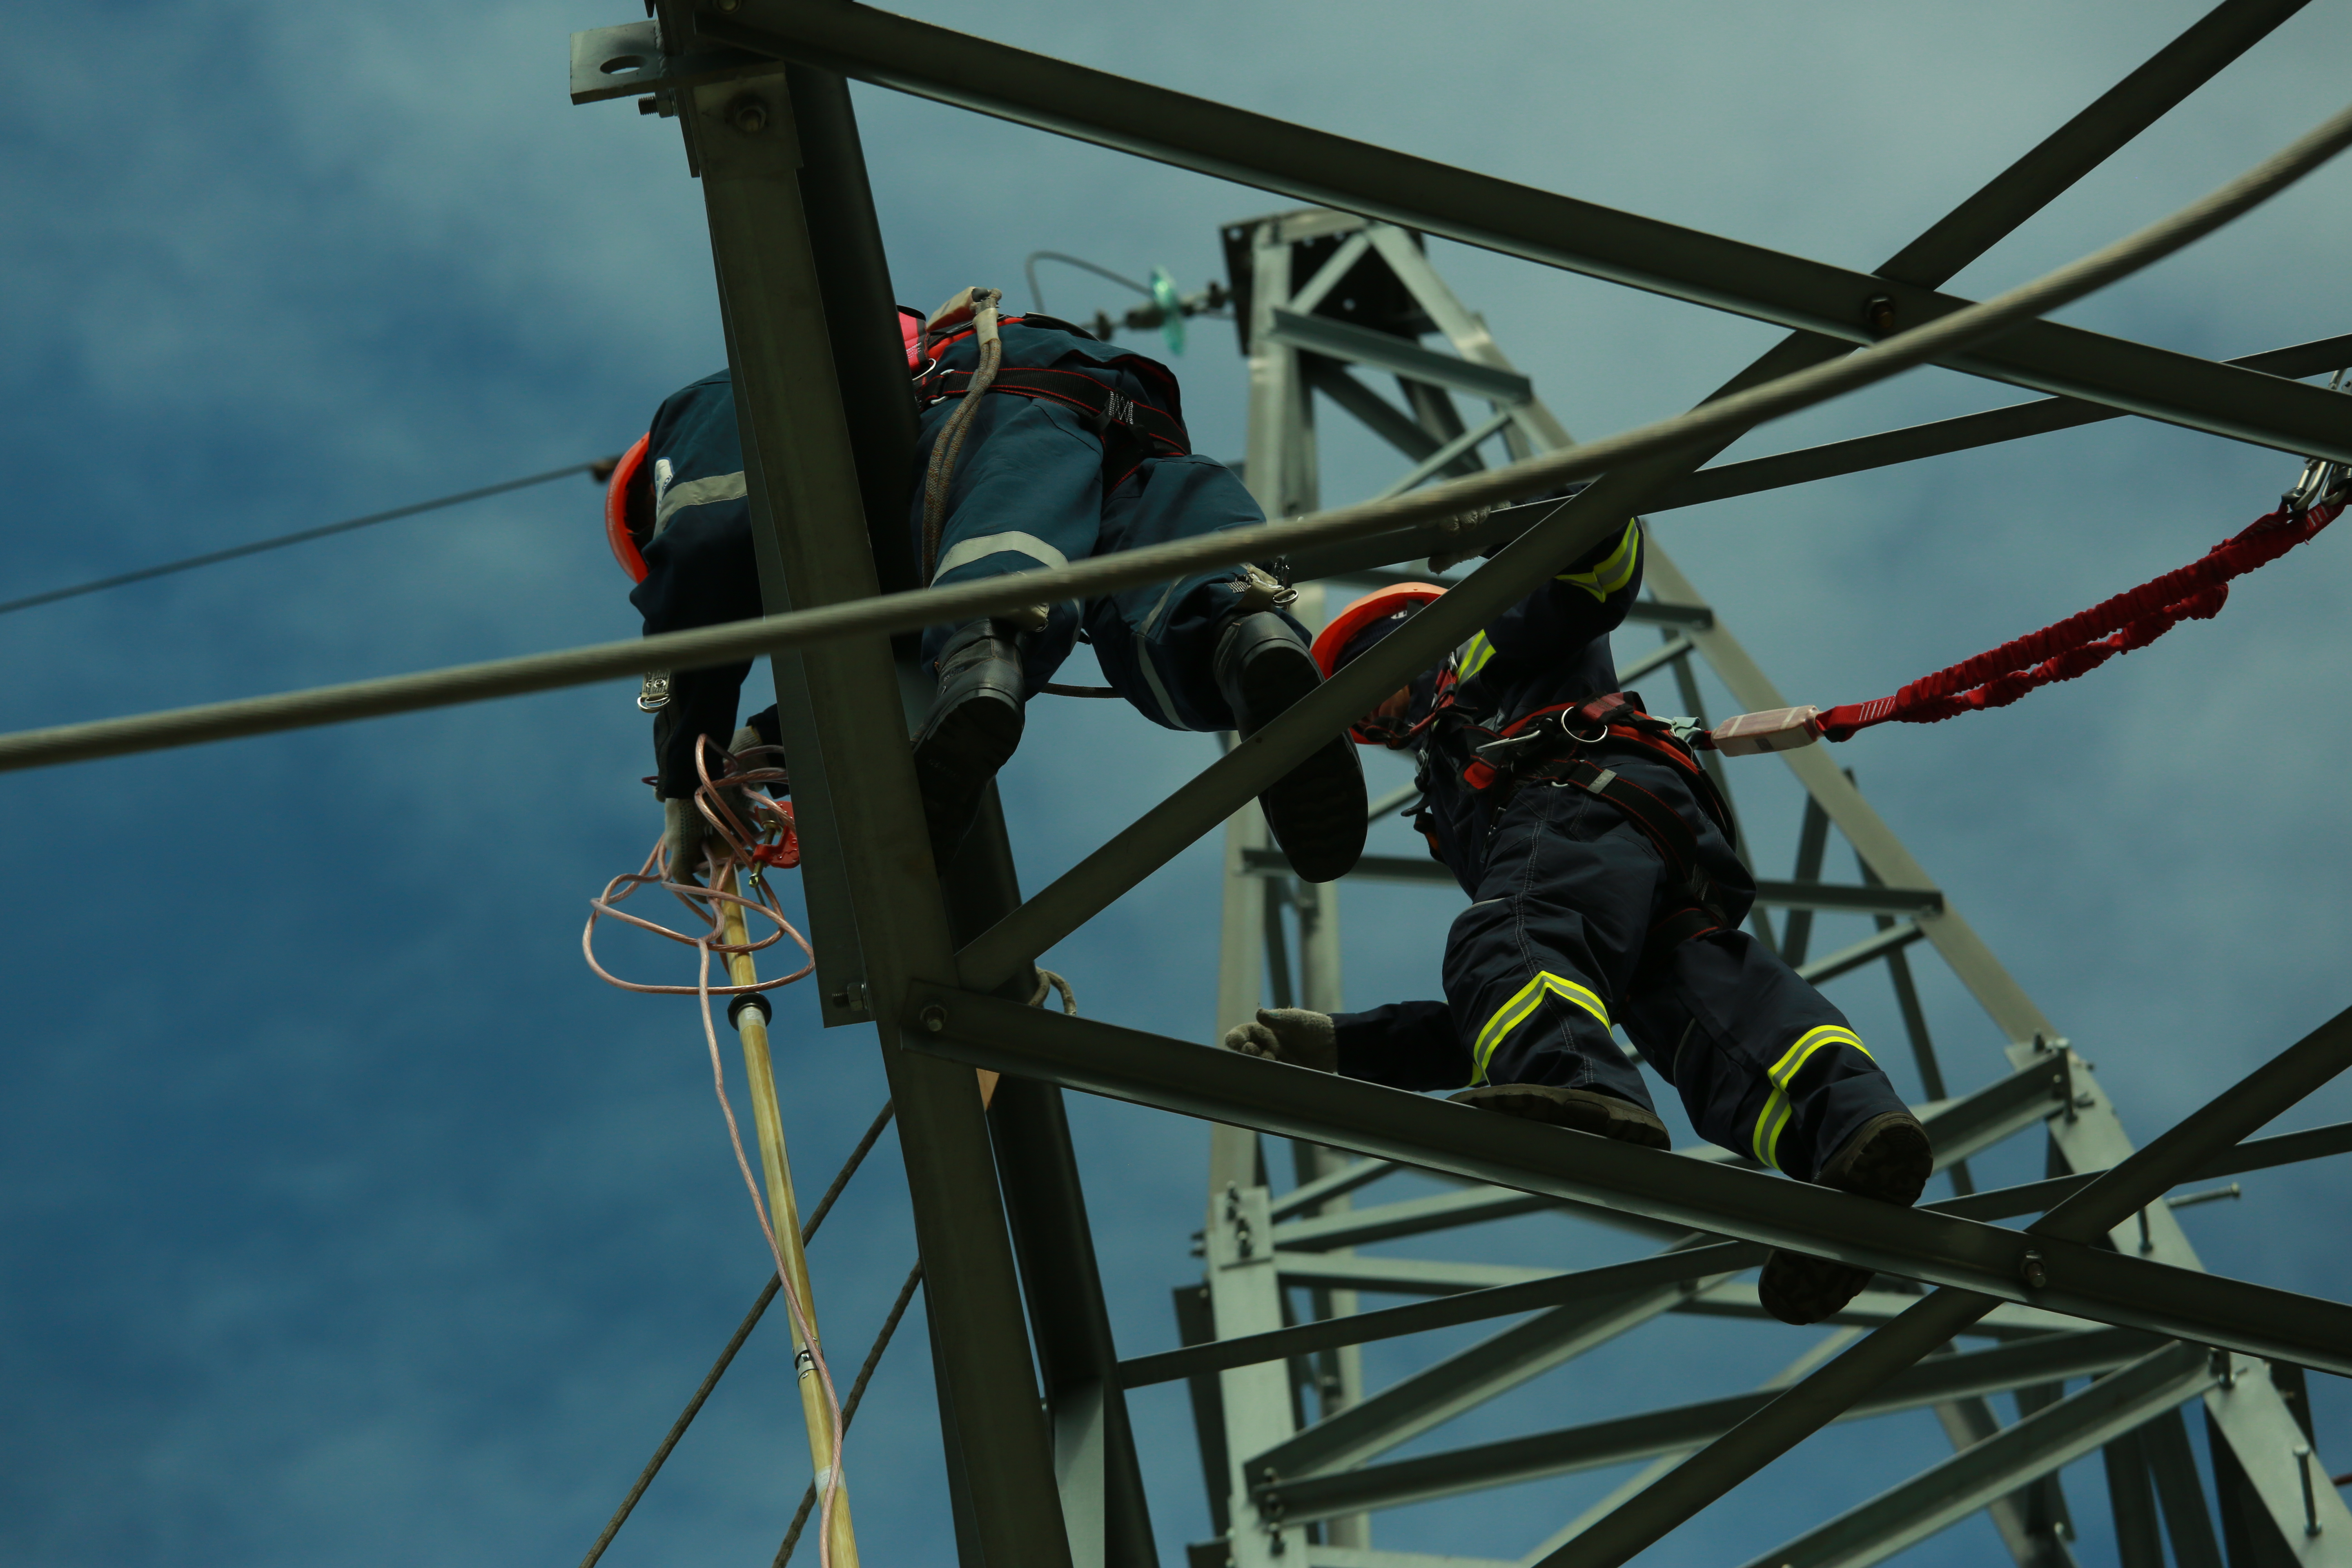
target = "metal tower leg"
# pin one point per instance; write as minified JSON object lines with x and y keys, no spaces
{"x":808,"y":526}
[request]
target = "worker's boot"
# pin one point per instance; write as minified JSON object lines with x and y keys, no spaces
{"x":973,"y":729}
{"x":1317,"y":809}
{"x":1890,"y":1160}
{"x":1585,"y":1110}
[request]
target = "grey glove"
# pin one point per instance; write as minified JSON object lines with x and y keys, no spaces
{"x":682,"y":835}
{"x":1290,"y":1034}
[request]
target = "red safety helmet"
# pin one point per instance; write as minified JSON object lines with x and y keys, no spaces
{"x":1332,"y":641}
{"x":627,"y":474}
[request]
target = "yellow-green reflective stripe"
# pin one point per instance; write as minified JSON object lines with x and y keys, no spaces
{"x":1777,"y":1110}
{"x":1613,"y":572}
{"x":1473,"y":656}
{"x":1520,"y":1009}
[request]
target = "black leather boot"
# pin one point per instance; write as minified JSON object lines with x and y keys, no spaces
{"x":1317,"y":809}
{"x":1890,"y":1159}
{"x":973,"y":729}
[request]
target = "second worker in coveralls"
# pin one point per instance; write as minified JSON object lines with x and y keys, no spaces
{"x":1604,"y":891}
{"x":1076,"y":450}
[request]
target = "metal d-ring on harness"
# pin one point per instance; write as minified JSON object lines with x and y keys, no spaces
{"x":1548,"y":747}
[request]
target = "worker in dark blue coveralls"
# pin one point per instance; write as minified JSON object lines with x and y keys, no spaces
{"x":1604,"y":892}
{"x":1076,"y":449}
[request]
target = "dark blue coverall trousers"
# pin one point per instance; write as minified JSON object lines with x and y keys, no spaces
{"x":1564,"y":892}
{"x":1034,"y":486}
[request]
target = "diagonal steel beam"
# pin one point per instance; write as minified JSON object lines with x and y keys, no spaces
{"x":2205,"y":1136}
{"x":2048,"y":1268}
{"x":1781,"y":470}
{"x":1540,"y":226}
{"x":1675,"y":1269}
{"x":1944,"y":1494}
{"x":1619,"y":1439}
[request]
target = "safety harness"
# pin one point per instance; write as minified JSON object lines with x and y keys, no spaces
{"x":1551,"y":746}
{"x":1130,"y":428}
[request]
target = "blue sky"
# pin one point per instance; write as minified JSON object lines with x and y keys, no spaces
{"x":345,"y":1218}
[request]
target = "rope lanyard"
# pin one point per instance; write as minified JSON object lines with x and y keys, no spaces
{"x":2082,"y":643}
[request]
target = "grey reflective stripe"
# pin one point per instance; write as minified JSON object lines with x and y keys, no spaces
{"x":697,"y":493}
{"x":968,"y":551}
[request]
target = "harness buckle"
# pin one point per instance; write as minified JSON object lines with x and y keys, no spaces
{"x":653,"y":695}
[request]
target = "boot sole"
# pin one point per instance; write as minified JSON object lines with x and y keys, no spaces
{"x":955,"y":760}
{"x":1582,"y":1109}
{"x":1890,"y":1162}
{"x":1317,"y":809}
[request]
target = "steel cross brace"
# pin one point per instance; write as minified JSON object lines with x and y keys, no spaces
{"x":1595,"y":1445}
{"x":1216,"y":139}
{"x":2039,"y":1270}
{"x":1944,"y":1494}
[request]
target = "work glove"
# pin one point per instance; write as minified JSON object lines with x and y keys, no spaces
{"x":682,"y":835}
{"x":1291,"y":1034}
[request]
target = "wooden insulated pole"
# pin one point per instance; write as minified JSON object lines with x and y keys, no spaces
{"x":784,"y":1215}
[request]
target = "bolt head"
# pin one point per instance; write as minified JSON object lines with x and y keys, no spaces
{"x":2034,"y":1271}
{"x":934,"y":1017}
{"x":749,"y":117}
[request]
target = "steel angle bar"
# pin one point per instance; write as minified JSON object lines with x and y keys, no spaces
{"x":1618,"y":1440}
{"x":1859,"y":899}
{"x":1687,"y":264}
{"x":1461,"y":446}
{"x":1958,"y":1127}
{"x":1946,"y":1493}
{"x":1805,"y":1409}
{"x":2048,"y":1266}
{"x":1272,"y":862}
{"x":1308,"y":1196}
{"x":1869,"y":950}
{"x":1368,"y":1557}
{"x":1963,"y":433}
{"x":2256,"y":1155}
{"x":1402,"y":1275}
{"x":1781,"y":469}
{"x":1739,"y":1299}
{"x":1672,"y":1269}
{"x":1680,"y":648}
{"x":1400,"y":356}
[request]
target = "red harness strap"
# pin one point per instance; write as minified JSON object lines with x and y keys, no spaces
{"x":2082,"y":643}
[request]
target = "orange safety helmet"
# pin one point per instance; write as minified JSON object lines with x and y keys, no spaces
{"x":628,"y":475}
{"x":1332,"y":641}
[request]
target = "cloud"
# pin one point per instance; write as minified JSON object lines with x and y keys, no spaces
{"x":345,"y":1218}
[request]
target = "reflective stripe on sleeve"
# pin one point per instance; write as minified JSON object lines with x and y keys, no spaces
{"x":1774,"y":1117}
{"x":1472,"y":657}
{"x":694,"y":492}
{"x":1615,"y":572}
{"x":1522,"y":1007}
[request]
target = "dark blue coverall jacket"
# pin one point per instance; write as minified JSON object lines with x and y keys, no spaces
{"x":1565,"y":890}
{"x":1036,"y":485}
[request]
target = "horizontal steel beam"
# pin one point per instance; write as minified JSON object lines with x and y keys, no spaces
{"x":1309,"y":1196}
{"x":1230,"y":144}
{"x":1400,"y":356}
{"x":1958,"y":1127}
{"x":1357,"y":560}
{"x":1837,"y":897}
{"x":2044,"y":1269}
{"x":1599,"y":1444}
{"x":1943,"y":1495}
